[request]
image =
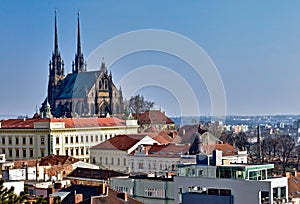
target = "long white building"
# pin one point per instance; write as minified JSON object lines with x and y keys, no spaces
{"x":34,"y":138}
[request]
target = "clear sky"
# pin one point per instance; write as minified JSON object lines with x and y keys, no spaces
{"x":255,"y":46}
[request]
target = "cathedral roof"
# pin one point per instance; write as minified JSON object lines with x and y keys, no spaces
{"x":75,"y":85}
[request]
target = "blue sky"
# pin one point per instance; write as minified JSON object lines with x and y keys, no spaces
{"x":255,"y":46}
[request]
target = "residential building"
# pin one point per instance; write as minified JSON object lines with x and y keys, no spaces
{"x":159,"y":160}
{"x":154,"y":119}
{"x":113,"y":153}
{"x":213,"y":180}
{"x":38,"y":137}
{"x":149,"y":190}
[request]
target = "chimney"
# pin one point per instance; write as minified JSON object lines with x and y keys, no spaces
{"x":102,"y":189}
{"x":78,"y":198}
{"x":123,"y":196}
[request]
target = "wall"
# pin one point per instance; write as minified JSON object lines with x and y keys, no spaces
{"x":243,"y":191}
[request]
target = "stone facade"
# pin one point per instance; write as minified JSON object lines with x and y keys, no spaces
{"x":81,"y":93}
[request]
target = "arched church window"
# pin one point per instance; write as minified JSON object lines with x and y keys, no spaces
{"x":105,"y":84}
{"x":100,"y":85}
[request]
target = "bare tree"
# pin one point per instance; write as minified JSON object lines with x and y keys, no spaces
{"x":285,"y":148}
{"x":138,"y":104}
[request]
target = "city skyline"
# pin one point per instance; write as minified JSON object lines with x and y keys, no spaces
{"x":255,"y":48}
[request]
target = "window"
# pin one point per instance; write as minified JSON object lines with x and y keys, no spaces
{"x":57,"y":151}
{"x":71,"y":140}
{"x":112,"y":161}
{"x":24,"y":140}
{"x":101,"y":137}
{"x":72,"y":152}
{"x":100,"y":160}
{"x":118,"y":161}
{"x":67,"y":152}
{"x":31,"y":152}
{"x":141,"y":165}
{"x":106,"y":160}
{"x":57,"y":140}
{"x":77,"y":151}
{"x":96,"y":138}
{"x":92,"y":138}
{"x":9,"y":140}
{"x":124,"y":161}
{"x":17,"y":153}
{"x":31,"y":140}
{"x":86,"y":150}
{"x":42,"y":152}
{"x":76,"y":139}
{"x":82,"y":151}
{"x":105,"y":137}
{"x":42,"y":140}
{"x":81,"y":138}
{"x":87,"y":139}
{"x":3,"y":151}
{"x":66,"y":140}
{"x":10,"y":152}
{"x":17,"y":140}
{"x":3,"y":140}
{"x":24,"y":152}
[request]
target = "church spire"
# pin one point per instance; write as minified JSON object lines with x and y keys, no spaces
{"x":56,"y":69}
{"x":55,"y":37}
{"x":78,"y":37}
{"x":79,"y":60}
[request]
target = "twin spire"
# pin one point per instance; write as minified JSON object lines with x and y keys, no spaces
{"x":79,"y":65}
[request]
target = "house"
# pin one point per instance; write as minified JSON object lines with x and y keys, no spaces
{"x":154,"y":119}
{"x":113,"y":153}
{"x":159,"y":159}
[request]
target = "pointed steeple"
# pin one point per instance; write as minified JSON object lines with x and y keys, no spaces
{"x":55,"y":37}
{"x":79,"y":59}
{"x":56,"y":69}
{"x":78,"y":37}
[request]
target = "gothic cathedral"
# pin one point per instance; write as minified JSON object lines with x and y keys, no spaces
{"x":81,"y":93}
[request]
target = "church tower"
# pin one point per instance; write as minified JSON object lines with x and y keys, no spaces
{"x":79,"y":65}
{"x":56,"y":70}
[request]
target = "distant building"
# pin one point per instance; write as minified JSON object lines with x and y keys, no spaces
{"x":154,"y":119}
{"x":35,"y":138}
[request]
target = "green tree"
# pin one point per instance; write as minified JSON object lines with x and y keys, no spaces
{"x":7,"y":196}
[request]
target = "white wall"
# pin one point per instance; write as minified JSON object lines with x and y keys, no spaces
{"x":244,"y":191}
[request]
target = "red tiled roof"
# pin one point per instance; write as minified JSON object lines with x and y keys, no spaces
{"x":19,"y":164}
{"x":120,"y":142}
{"x":227,"y":149}
{"x":170,"y":150}
{"x":153,"y":117}
{"x":293,"y":185}
{"x":21,"y":123}
{"x":69,"y":122}
{"x":57,"y":160}
{"x":89,"y":122}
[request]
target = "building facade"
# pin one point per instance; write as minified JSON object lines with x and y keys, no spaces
{"x":113,"y":154}
{"x":81,"y":93}
{"x":34,"y":138}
